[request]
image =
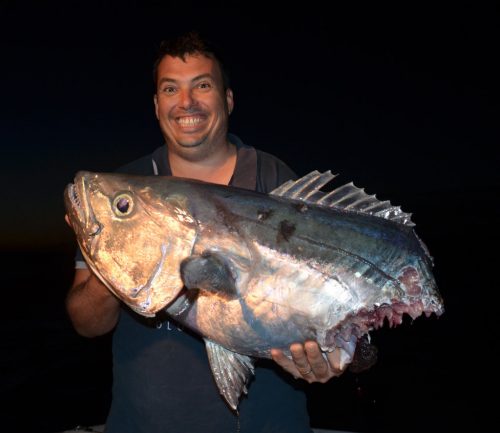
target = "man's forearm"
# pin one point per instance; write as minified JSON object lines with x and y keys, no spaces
{"x":92,"y":308}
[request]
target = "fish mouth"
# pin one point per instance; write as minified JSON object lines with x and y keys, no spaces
{"x":76,"y":204}
{"x":79,"y":211}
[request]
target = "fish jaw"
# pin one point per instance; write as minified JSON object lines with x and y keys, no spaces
{"x":79,"y":212}
{"x":136,"y":255}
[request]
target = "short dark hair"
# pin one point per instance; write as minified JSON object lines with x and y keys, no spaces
{"x":190,"y":43}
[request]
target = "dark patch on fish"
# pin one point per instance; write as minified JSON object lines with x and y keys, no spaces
{"x":285,"y":231}
{"x":301,"y":207}
{"x":228,"y":218}
{"x":263,"y":215}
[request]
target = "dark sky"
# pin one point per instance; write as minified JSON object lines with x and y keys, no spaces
{"x":399,"y":99}
{"x":402,"y":100}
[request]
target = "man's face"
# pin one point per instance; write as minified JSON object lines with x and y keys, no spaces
{"x":191,"y":105}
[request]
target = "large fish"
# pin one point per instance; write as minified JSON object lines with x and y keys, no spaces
{"x":250,"y":271}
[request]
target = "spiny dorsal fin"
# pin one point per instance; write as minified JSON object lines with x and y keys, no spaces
{"x":347,"y":197}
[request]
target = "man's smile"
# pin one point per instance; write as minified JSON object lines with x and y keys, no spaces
{"x":190,"y":121}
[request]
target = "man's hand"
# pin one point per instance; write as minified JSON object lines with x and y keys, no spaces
{"x":308,"y":362}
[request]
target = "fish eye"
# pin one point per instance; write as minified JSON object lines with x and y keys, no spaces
{"x":123,"y":204}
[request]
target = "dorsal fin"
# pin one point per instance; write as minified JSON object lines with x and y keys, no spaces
{"x":347,"y":197}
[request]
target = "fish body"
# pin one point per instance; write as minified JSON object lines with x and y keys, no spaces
{"x":250,"y":271}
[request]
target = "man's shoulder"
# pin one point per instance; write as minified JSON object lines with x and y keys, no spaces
{"x":271,"y":172}
{"x":142,"y":165}
{"x":270,"y":160}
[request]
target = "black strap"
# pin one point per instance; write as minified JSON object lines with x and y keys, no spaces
{"x":245,"y":172}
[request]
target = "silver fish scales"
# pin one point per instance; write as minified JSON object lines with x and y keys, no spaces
{"x":249,"y":271}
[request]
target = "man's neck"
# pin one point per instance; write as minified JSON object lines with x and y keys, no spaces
{"x":216,"y":168}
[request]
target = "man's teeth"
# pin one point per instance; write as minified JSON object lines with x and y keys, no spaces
{"x":189,"y":121}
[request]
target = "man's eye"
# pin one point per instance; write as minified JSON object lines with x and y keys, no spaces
{"x":169,"y":90}
{"x":204,"y":85}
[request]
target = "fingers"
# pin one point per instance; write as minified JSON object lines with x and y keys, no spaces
{"x":284,"y":362}
{"x":338,"y":360}
{"x":310,"y":363}
{"x":301,"y":361}
{"x":318,"y":363}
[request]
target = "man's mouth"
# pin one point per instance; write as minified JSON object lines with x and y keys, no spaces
{"x":190,"y":121}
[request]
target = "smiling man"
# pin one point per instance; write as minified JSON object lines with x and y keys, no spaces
{"x":161,"y":377}
{"x":192,"y":105}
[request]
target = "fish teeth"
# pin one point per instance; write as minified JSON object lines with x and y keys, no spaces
{"x":75,"y":199}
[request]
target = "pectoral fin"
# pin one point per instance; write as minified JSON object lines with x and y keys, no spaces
{"x":231,"y":371}
{"x":209,"y":272}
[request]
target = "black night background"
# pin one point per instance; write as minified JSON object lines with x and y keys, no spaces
{"x":402,"y":100}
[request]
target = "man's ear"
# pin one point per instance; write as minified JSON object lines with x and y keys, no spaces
{"x":229,"y":100}
{"x":155,"y":100}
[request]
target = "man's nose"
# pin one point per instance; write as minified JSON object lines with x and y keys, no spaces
{"x":187,"y":100}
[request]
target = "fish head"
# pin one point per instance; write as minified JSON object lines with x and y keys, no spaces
{"x":133,"y":233}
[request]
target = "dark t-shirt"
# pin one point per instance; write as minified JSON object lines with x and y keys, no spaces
{"x":162,"y":380}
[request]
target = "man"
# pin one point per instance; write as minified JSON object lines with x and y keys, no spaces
{"x":161,"y":377}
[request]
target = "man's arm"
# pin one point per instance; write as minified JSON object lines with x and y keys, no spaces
{"x":92,"y":308}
